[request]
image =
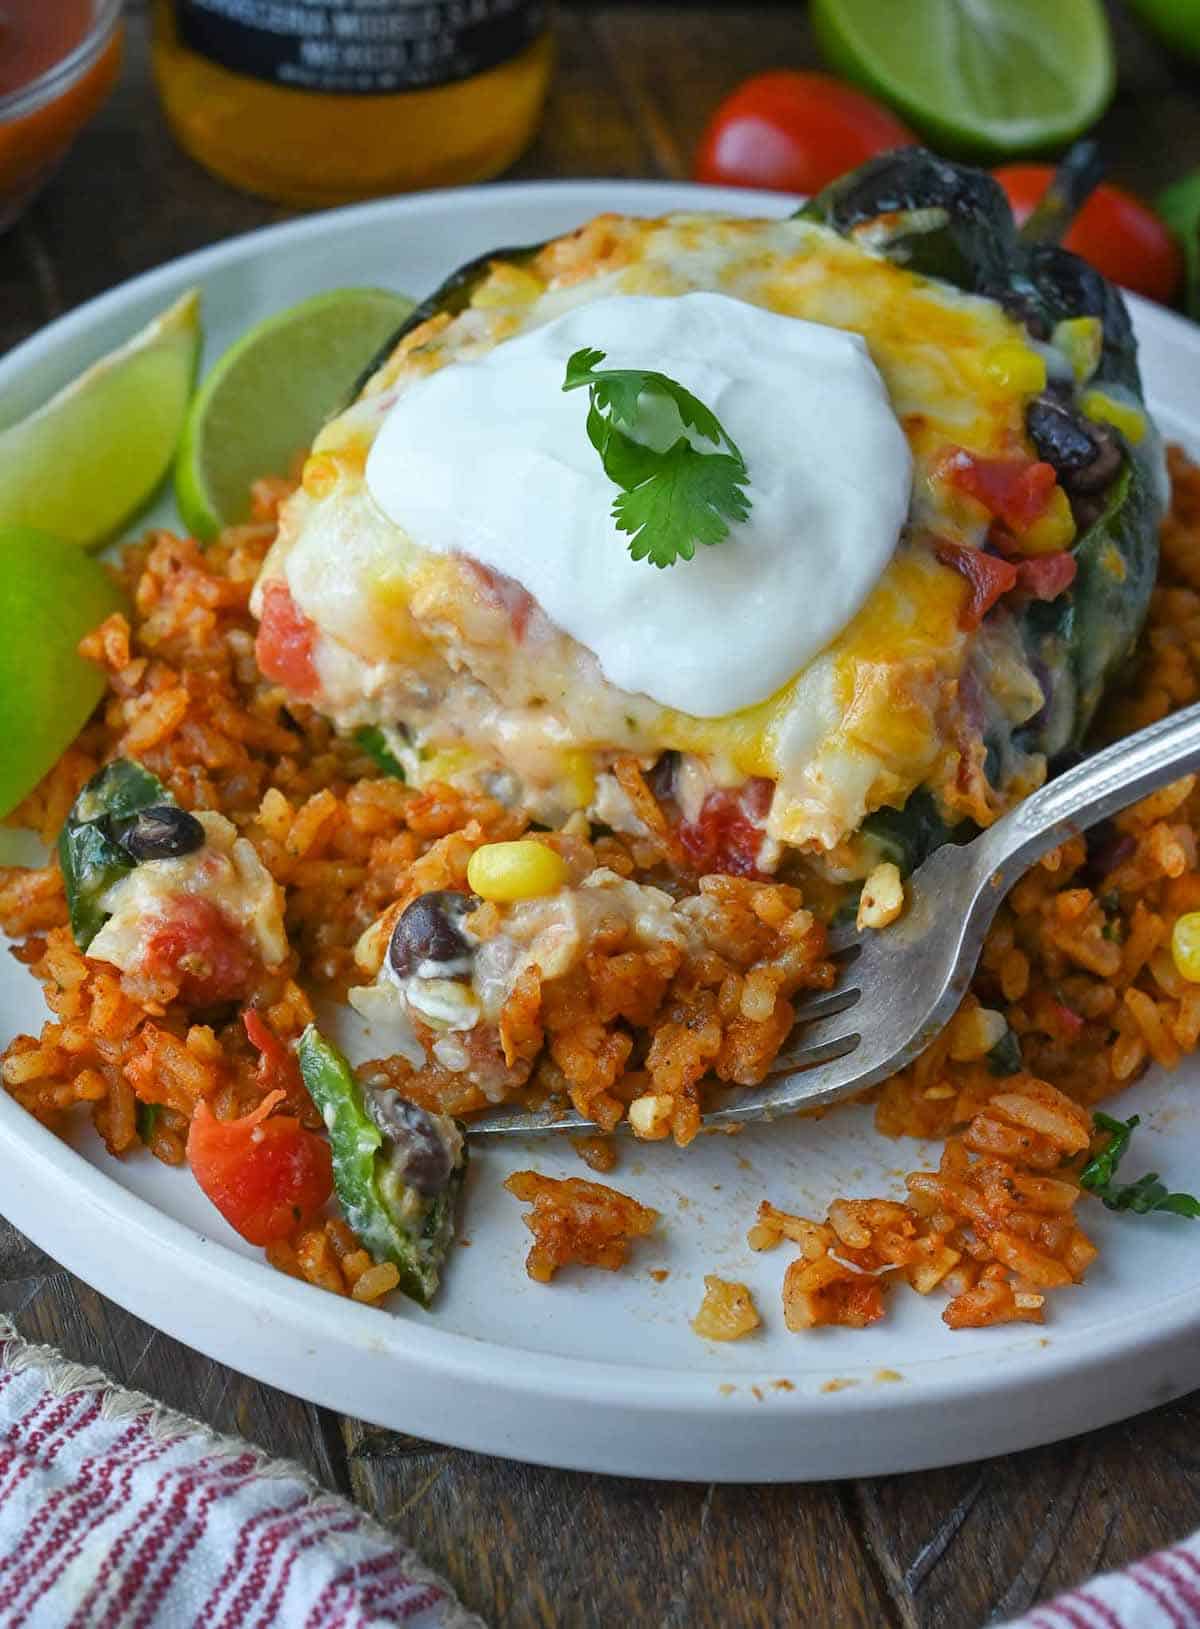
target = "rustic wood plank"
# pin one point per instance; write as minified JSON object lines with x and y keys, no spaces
{"x":520,"y":1543}
{"x":587,"y":130}
{"x":675,"y":63}
{"x":976,"y":1544}
{"x":941,"y":1550}
{"x":20,"y":1258}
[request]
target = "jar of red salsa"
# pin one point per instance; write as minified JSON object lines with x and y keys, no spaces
{"x":58,"y":62}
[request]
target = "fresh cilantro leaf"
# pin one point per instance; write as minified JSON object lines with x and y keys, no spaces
{"x":1005,"y":1057}
{"x":670,"y":500}
{"x":690,"y":499}
{"x":1145,"y":1195}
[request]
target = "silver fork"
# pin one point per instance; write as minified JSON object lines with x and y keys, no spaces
{"x":899,"y":986}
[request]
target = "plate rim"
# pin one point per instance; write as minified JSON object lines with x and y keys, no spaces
{"x":445,"y":1356}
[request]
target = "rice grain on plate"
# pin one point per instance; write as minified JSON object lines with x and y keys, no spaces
{"x":1076,"y":994}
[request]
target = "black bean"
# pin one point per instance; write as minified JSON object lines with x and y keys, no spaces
{"x":1084,"y":455}
{"x":427,"y":931}
{"x":417,"y":1153}
{"x":661,"y":779}
{"x":162,"y":832}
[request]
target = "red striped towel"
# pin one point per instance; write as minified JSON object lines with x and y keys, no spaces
{"x":117,"y":1514}
{"x":1162,"y":1591}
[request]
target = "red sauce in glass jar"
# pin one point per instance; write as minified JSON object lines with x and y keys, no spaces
{"x":58,"y":62}
{"x":35,"y":34}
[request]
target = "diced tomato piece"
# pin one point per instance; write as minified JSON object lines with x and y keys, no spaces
{"x":265,"y":1173}
{"x":198,"y":946}
{"x":1046,"y":576}
{"x":1055,"y":1018}
{"x":1070,"y":1023}
{"x":727,"y":835}
{"x":285,"y":642}
{"x":278,"y":1068}
{"x":987,"y":577}
{"x":505,"y":592}
{"x":1015,"y":490}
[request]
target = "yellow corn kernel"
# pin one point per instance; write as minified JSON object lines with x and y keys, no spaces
{"x":1185,"y":946}
{"x":446,"y":763}
{"x":1053,"y":530}
{"x":320,"y":475}
{"x":882,"y":897}
{"x":1123,"y":416}
{"x":578,"y":780}
{"x":507,"y":285}
{"x":1017,"y":367}
{"x":525,"y":869}
{"x":1080,"y":339}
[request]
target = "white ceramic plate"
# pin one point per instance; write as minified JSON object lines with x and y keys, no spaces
{"x":600,"y":1371}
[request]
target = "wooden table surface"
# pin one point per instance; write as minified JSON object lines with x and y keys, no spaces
{"x":953,"y":1548}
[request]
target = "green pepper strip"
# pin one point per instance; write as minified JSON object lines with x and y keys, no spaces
{"x":418,"y":1248}
{"x":371,"y":740}
{"x":91,"y":861}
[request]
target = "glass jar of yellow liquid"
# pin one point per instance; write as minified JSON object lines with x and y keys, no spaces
{"x":316,"y":102}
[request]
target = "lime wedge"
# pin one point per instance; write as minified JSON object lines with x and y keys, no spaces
{"x":977,"y":76}
{"x":269,"y":394}
{"x":53,"y":595}
{"x":86,"y":462}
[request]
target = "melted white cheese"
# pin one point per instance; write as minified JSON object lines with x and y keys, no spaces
{"x":491,"y":459}
{"x":226,"y":871}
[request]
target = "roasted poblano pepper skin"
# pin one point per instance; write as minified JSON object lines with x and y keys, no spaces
{"x":939,"y":219}
{"x":393,"y":1220}
{"x":448,"y":299}
{"x":90,"y":856}
{"x":953,"y":223}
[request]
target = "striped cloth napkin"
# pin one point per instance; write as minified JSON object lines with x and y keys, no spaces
{"x":116,"y":1513}
{"x":1162,"y":1591}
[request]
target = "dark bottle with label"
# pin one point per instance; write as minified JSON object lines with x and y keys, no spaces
{"x":317,"y":102}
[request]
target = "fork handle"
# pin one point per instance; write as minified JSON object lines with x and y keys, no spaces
{"x":1100,"y":786}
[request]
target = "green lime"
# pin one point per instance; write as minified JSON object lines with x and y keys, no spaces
{"x":269,"y":394}
{"x":53,"y":594}
{"x":979,"y":76}
{"x":86,"y":462}
{"x":1176,"y":21}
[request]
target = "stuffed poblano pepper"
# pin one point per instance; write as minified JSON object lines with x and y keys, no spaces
{"x":176,"y":898}
{"x":1088,"y":424}
{"x":890,"y":460}
{"x":397,"y":1169}
{"x":122,"y":817}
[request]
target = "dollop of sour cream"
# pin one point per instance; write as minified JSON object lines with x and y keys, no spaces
{"x":491,"y":459}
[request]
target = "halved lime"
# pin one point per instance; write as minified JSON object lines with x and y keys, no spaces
{"x":53,"y":594}
{"x":977,"y":76}
{"x":270,"y":393}
{"x":1176,"y":21}
{"x":86,"y":462}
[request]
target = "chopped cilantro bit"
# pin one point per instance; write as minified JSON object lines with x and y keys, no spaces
{"x":1005,"y":1057}
{"x":1142,"y":1197}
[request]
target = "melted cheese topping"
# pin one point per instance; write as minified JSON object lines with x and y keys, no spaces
{"x":492,"y":459}
{"x":487,"y":685}
{"x":226,"y":871}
